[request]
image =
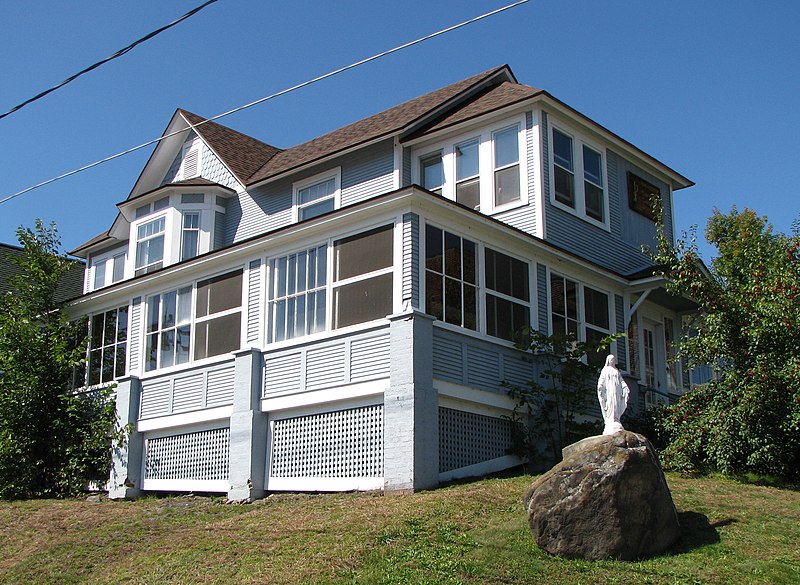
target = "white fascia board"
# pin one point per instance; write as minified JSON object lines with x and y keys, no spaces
{"x":171,"y":421}
{"x":319,"y":401}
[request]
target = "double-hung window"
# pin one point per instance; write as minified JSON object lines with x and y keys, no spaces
{"x":316,"y":195}
{"x":507,"y":294}
{"x":579,"y":310}
{"x":432,"y":172}
{"x":108,"y":345}
{"x":506,"y":166}
{"x":298,"y":293}
{"x":468,"y":180}
{"x":451,"y":278}
{"x":190,"y":235}
{"x":169,"y":329}
{"x":150,"y":246}
{"x":578,"y":178}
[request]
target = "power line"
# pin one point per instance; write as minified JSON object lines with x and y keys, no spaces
{"x":111,"y":57}
{"x":267,"y":98}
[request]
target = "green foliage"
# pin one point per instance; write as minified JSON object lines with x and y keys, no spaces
{"x":52,"y":441}
{"x":552,"y":409}
{"x":748,"y":420}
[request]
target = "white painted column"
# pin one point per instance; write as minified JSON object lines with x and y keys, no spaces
{"x":411,"y":407}
{"x":248,"y":431}
{"x":125,"y":479}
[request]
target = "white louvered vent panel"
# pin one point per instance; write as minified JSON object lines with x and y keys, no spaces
{"x":345,"y":443}
{"x":190,"y":164}
{"x":187,"y":393}
{"x":448,"y":359}
{"x":369,"y":358}
{"x":466,"y":438}
{"x":193,"y":456}
{"x":155,"y":398}
{"x":220,"y":387}
{"x":282,"y":373}
{"x":325,"y":366}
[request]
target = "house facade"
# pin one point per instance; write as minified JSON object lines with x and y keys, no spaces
{"x":338,"y":315}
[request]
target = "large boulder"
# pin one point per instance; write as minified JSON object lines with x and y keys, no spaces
{"x":607,"y":499}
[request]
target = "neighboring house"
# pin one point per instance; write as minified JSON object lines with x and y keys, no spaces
{"x":338,"y":315}
{"x":70,"y":286}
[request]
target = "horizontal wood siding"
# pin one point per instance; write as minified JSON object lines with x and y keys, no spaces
{"x":411,"y":260}
{"x":219,"y":386}
{"x":283,"y":373}
{"x":264,"y":209}
{"x":621,"y":344}
{"x":325,"y":366}
{"x":134,"y":334}
{"x":367,"y":172}
{"x":541,"y":297}
{"x":187,"y":391}
{"x":254,"y":289}
{"x":368,"y":358}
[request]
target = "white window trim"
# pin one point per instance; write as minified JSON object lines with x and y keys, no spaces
{"x":167,"y":248}
{"x":334,"y":173}
{"x":578,"y":141}
{"x":486,"y":166}
{"x":107,"y":260}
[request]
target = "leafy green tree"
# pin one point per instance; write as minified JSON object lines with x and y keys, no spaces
{"x":748,"y":419}
{"x":550,"y":411}
{"x":53,"y":441}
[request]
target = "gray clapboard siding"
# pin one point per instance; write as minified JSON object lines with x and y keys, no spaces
{"x":541,"y":298}
{"x":325,"y":366}
{"x":619,"y":308}
{"x":187,"y":391}
{"x":134,"y":334}
{"x":368,"y":358}
{"x":254,"y":289}
{"x":367,"y":173}
{"x":411,"y":259}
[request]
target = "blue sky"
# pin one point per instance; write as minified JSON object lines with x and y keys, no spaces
{"x":709,"y":88}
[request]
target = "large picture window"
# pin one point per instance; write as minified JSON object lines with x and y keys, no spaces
{"x":451,"y":278}
{"x":108,"y":346}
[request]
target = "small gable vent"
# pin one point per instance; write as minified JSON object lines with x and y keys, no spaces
{"x":190,"y":164}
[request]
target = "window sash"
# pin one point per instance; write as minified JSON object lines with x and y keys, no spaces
{"x":108,"y":343}
{"x":451,"y":291}
{"x":298,"y":294}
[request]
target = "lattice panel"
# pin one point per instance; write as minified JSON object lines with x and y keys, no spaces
{"x":466,"y":438}
{"x":192,"y":456}
{"x":345,"y":443}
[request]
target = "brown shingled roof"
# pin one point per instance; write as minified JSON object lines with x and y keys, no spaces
{"x":386,"y":123}
{"x":243,"y":154}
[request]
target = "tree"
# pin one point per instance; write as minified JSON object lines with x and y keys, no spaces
{"x":748,"y":419}
{"x":551,"y":410}
{"x":53,"y":441}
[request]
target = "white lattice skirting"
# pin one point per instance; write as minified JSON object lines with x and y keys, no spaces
{"x":467,"y":439}
{"x":332,"y":451}
{"x":196,"y":461}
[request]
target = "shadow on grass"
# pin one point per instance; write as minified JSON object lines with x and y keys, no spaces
{"x":697,"y":531}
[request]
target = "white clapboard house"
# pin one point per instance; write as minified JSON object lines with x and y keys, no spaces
{"x":337,"y":315}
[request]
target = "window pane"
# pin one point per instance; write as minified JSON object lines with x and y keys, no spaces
{"x":592,"y":168}
{"x":217,"y":336}
{"x":98,"y":327}
{"x":316,"y":209}
{"x":452,"y":301}
{"x":470,"y":264}
{"x":182,"y":344}
{"x":108,"y":364}
{"x":95,"y":364}
{"x":100,"y":274}
{"x":433,"y":249}
{"x":467,"y":160}
{"x":191,"y":220}
{"x":562,"y":150}
{"x":469,"y":193}
{"x":506,"y":185}
{"x":506,"y":147}
{"x":557,"y":295}
{"x":318,"y":191}
{"x":505,"y":318}
{"x":151,"y":352}
{"x":110,"y":329}
{"x":168,"y":309}
{"x":594,"y":201}
{"x":433,"y":173}
{"x":434,"y":295}
{"x":319,"y":311}
{"x":185,"y":305}
{"x":219,"y":294}
{"x":565,"y":186}
{"x":507,"y":275}
{"x":596,"y":307}
{"x":572,"y":300}
{"x":167,"y":348}
{"x":470,"y":307}
{"x":120,"y":365}
{"x":452,"y":255}
{"x":364,"y":253}
{"x":122,"y":324}
{"x":362,"y":301}
{"x":119,"y":268}
{"x":189,"y":246}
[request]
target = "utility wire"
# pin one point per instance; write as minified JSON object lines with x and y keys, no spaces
{"x":119,"y":53}
{"x":267,"y":98}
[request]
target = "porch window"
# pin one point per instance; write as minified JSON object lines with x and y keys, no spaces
{"x":218,"y":315}
{"x":507,"y":305}
{"x":451,"y":284}
{"x":363,"y":277}
{"x":108,"y":346}
{"x":597,"y":321}
{"x":564,"y":305}
{"x":298,"y":293}
{"x":169,"y":329}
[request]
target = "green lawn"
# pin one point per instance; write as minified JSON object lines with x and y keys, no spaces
{"x":469,"y":533}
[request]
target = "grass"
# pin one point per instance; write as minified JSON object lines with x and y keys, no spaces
{"x":467,"y":533}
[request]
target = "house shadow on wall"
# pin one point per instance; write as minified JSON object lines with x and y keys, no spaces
{"x":697,"y":531}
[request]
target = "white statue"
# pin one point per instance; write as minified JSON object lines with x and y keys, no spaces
{"x":612,"y":392}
